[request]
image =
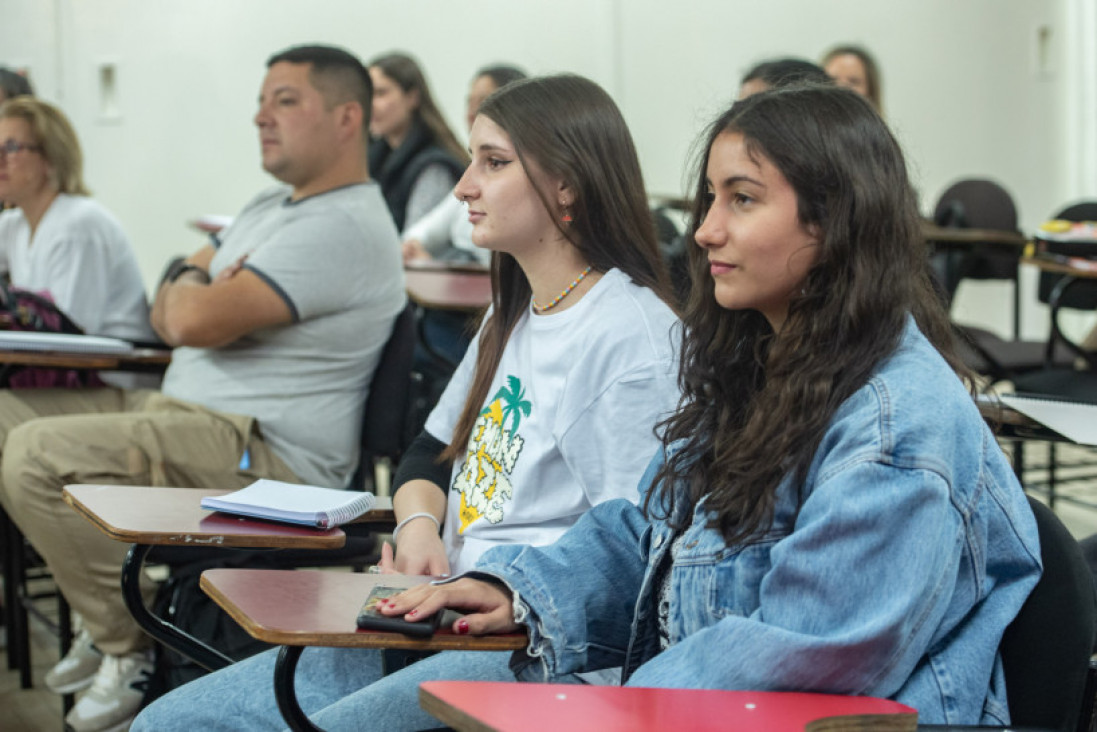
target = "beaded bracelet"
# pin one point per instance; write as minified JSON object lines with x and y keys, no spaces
{"x":420,"y":514}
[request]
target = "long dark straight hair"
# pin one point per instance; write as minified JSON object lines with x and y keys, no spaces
{"x":406,"y":72}
{"x":756,"y":404}
{"x":572,"y":130}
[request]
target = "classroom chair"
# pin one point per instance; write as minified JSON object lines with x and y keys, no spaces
{"x":389,"y":423}
{"x":1058,"y":378}
{"x":976,"y":203}
{"x":1050,"y":680}
{"x":983,"y":204}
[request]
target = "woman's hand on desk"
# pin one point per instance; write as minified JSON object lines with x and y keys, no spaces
{"x":420,"y":552}
{"x":489,"y":605}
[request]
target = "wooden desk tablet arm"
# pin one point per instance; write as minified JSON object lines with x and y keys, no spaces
{"x":302,"y":608}
{"x":146,"y":516}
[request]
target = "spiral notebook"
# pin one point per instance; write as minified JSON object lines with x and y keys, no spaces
{"x":308,"y":505}
{"x":1075,"y":421}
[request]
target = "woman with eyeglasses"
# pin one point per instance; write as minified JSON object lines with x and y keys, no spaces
{"x":56,"y":239}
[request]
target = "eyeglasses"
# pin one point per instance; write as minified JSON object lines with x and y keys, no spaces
{"x":11,"y":147}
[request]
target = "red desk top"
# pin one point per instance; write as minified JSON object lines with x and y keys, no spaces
{"x":319,"y":608}
{"x":157,"y":515}
{"x":503,"y":707}
{"x":447,"y":289}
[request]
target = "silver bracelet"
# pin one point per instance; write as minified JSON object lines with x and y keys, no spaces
{"x":420,"y":514}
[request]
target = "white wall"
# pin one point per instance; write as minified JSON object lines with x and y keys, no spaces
{"x":963,"y":87}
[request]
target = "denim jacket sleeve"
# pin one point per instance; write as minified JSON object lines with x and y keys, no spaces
{"x":848,"y":600}
{"x":581,"y":591}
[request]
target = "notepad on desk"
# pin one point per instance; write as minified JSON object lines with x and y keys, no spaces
{"x":21,"y":340}
{"x":308,"y":505}
{"x":1075,"y":421}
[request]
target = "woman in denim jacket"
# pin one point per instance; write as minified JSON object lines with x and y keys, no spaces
{"x":831,"y":514}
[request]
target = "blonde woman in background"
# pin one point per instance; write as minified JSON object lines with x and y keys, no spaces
{"x":57,"y":239}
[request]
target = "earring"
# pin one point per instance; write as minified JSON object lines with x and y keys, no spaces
{"x":566,"y":218}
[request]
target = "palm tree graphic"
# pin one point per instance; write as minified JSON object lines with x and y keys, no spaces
{"x":514,"y":402}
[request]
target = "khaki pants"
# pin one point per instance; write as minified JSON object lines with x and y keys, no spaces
{"x":54,"y":437}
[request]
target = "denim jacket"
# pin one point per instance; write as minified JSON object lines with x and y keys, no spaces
{"x":912,"y":550}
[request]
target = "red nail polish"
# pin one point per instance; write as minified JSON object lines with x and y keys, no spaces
{"x":462,"y":627}
{"x":413,"y":612}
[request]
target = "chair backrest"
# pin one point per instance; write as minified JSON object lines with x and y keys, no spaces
{"x":388,"y":423}
{"x":1046,"y":649}
{"x":977,"y":203}
{"x":673,"y":249}
{"x":1082,"y":295}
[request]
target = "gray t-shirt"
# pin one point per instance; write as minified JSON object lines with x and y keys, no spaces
{"x":335,"y":260}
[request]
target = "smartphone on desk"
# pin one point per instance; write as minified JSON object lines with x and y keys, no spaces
{"x":370,"y":617}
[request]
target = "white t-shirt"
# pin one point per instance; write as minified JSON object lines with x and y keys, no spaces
{"x":81,"y":256}
{"x":568,"y":422}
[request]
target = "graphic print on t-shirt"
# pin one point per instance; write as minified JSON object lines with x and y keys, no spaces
{"x":494,"y":447}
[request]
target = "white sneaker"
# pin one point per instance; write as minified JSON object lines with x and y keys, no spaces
{"x":77,"y":669}
{"x":115,"y":695}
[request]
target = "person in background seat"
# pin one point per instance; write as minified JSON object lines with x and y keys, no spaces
{"x":57,"y":240}
{"x":414,"y":154}
{"x":276,"y":330}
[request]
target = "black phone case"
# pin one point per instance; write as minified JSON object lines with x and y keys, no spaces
{"x":370,"y":619}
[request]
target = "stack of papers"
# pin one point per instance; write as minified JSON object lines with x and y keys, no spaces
{"x":20,"y":340}
{"x":1073,"y":420}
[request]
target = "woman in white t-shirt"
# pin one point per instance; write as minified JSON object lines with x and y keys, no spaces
{"x":57,"y":239}
{"x":552,"y":410}
{"x":445,"y":233}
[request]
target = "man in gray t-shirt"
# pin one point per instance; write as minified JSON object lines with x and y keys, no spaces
{"x":277,"y":327}
{"x":332,"y":263}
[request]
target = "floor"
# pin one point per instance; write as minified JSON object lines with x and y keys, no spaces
{"x":37,"y":709}
{"x":31,"y":710}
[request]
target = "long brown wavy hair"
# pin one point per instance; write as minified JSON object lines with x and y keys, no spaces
{"x":572,"y":130}
{"x":755,"y":403}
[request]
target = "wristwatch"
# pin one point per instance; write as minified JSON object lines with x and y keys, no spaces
{"x":180,"y":268}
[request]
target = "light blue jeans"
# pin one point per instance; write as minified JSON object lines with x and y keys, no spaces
{"x":338,"y":688}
